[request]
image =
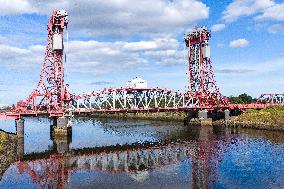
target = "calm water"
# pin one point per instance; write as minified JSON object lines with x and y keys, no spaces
{"x":104,"y":153}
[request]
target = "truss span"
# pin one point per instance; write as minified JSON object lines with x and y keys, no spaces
{"x":271,"y":99}
{"x":133,"y":100}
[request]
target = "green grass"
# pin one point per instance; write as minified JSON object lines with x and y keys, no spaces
{"x":4,"y":138}
{"x":271,"y":116}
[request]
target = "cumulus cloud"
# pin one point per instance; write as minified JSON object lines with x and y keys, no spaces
{"x":260,"y":9}
{"x":239,"y":8}
{"x":99,"y":57}
{"x":217,"y":27}
{"x":118,"y":18}
{"x":275,"y":12}
{"x":13,"y":7}
{"x":239,"y":43}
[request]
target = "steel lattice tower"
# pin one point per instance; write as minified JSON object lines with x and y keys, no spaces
{"x":202,"y":84}
{"x":51,"y":94}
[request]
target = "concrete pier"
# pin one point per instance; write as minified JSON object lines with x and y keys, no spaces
{"x":20,"y":124}
{"x":20,"y":147}
{"x":61,"y":127}
{"x":203,"y":118}
{"x":227,"y":115}
{"x":200,"y":117}
{"x":202,"y":114}
{"x":20,"y":131}
{"x":61,"y":133}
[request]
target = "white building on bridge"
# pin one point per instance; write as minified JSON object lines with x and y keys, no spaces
{"x":137,"y":83}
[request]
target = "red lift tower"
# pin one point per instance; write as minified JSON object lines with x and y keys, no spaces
{"x":202,"y":84}
{"x":51,"y":94}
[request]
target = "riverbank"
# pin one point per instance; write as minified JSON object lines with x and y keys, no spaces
{"x":271,"y":118}
{"x":7,"y":151}
{"x":157,"y":116}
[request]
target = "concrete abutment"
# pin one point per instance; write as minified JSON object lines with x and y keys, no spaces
{"x":61,"y":133}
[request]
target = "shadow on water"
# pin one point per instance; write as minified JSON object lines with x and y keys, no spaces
{"x":176,"y":156}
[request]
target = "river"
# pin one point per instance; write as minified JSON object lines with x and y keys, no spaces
{"x":106,"y":153}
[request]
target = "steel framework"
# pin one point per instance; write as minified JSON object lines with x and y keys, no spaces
{"x":51,"y":94}
{"x":132,"y":100}
{"x":203,"y":92}
{"x":202,"y":84}
{"x":277,"y":99}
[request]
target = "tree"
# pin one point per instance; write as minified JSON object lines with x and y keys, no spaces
{"x":242,"y":99}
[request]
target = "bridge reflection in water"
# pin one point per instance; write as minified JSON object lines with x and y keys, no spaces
{"x":54,"y":168}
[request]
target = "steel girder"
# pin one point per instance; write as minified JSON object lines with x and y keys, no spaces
{"x":129,"y":99}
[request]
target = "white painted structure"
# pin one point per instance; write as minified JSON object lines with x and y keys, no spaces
{"x":137,"y":83}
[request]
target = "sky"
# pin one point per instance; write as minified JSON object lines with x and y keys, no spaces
{"x":111,"y":42}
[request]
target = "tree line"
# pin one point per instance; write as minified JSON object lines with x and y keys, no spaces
{"x":242,"y":99}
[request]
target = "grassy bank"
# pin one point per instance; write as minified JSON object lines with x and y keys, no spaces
{"x":271,"y":118}
{"x":7,"y":151}
{"x":160,"y":116}
{"x":4,"y":139}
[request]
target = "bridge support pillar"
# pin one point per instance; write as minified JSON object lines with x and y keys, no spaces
{"x":202,"y":114}
{"x":227,"y":114}
{"x":203,"y":118}
{"x":61,"y":133}
{"x":20,"y":125}
{"x":61,"y":127}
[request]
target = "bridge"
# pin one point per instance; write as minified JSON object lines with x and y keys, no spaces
{"x":201,"y":101}
{"x":52,"y":96}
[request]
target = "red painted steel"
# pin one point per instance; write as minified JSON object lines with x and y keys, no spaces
{"x":275,"y":99}
{"x":202,"y":84}
{"x":51,"y":94}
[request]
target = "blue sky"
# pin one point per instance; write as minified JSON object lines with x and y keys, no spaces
{"x":113,"y":41}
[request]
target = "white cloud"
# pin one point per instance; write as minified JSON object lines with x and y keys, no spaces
{"x":239,"y":8}
{"x":13,"y":7}
{"x":118,"y":18}
{"x":275,"y":12}
{"x":276,"y":28}
{"x":217,"y":27}
{"x":261,"y":9}
{"x":239,"y":43}
{"x":99,"y":57}
{"x":6,"y":50}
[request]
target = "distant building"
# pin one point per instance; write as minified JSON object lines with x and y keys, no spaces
{"x":137,"y":83}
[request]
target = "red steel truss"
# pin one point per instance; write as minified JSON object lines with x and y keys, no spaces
{"x":202,"y":84}
{"x":277,"y":99}
{"x":132,"y":100}
{"x":51,"y":94}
